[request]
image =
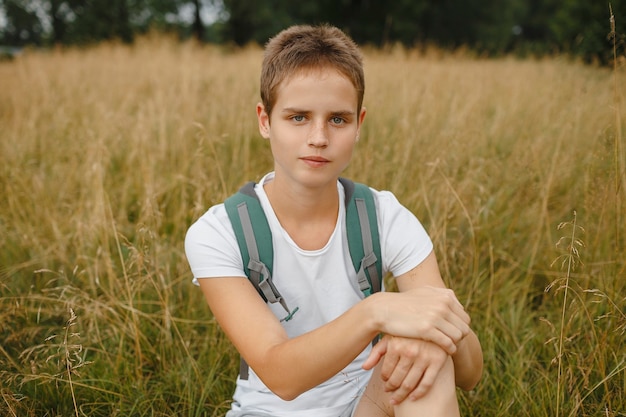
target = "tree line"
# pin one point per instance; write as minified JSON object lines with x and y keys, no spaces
{"x":490,"y":27}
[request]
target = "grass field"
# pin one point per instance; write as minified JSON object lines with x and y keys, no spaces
{"x":107,"y":155}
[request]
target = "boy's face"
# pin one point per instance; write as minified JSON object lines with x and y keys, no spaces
{"x":313,"y":127}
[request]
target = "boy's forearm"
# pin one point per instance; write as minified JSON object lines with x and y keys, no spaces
{"x":468,"y":362}
{"x":304,"y":362}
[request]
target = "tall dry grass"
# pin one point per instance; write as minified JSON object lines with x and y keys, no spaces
{"x":108,"y":154}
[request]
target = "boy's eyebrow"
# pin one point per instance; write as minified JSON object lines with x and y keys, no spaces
{"x":293,"y":110}
{"x":343,"y":113}
{"x":335,"y":112}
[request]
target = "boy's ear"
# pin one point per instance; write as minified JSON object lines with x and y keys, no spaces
{"x":361,"y":118}
{"x":362,"y":115}
{"x":264,"y":120}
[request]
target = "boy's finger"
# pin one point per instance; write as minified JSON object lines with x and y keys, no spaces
{"x":377,"y":352}
{"x":443,"y":341}
{"x":425,"y":384}
{"x":389,"y":370}
{"x":408,"y":384}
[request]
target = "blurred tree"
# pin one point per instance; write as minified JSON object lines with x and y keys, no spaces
{"x":23,"y":26}
{"x":102,"y":20}
{"x":60,"y":13}
{"x":499,"y":26}
{"x":254,"y":21}
{"x":536,"y":22}
{"x":198,"y":26}
{"x":202,"y":19}
{"x":581,"y":28}
{"x":488,"y":26}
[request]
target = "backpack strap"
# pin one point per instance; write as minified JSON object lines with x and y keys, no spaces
{"x":363,"y":236}
{"x":250,"y":225}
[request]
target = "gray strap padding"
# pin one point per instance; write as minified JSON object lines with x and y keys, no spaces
{"x":259,"y":273}
{"x":243,"y":369}
{"x":248,"y":232}
{"x":369,"y":261}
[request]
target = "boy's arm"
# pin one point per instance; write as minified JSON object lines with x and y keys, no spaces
{"x":468,"y":359}
{"x":291,"y":366}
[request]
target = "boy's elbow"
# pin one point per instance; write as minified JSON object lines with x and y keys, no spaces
{"x":287,"y":396}
{"x":284,"y":391}
{"x":470,"y":381}
{"x":469,"y":366}
{"x":468,"y":385}
{"x":281,"y":387}
{"x":282,"y":382}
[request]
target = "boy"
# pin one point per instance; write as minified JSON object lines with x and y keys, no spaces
{"x":320,"y":361}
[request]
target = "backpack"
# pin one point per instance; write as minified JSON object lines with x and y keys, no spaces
{"x":255,"y":242}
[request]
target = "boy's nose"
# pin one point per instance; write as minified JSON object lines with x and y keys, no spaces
{"x":318,"y":136}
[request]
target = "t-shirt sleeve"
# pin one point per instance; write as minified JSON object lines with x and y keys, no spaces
{"x":404,"y":241}
{"x":211,"y":246}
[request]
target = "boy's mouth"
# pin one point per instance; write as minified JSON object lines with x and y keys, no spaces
{"x":315,"y":161}
{"x":315,"y":158}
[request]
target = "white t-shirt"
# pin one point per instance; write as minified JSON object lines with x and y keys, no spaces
{"x":321,"y":283}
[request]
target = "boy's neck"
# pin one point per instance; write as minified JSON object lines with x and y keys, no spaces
{"x":308,"y":215}
{"x":302,"y":201}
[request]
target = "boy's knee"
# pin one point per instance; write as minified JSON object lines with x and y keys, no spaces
{"x":437,"y":398}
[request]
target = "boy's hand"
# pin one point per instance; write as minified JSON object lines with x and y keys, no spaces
{"x":429,"y":313}
{"x":409,"y":368}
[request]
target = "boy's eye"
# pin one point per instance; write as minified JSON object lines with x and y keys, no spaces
{"x":297,"y":118}
{"x":337,"y":120}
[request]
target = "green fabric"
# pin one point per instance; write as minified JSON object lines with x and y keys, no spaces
{"x":355,"y":241}
{"x":260,"y":225}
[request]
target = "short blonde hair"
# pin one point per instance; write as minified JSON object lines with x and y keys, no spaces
{"x":305,"y":47}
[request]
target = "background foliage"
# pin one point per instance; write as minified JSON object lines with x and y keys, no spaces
{"x":108,"y":154}
{"x":577,"y":27}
